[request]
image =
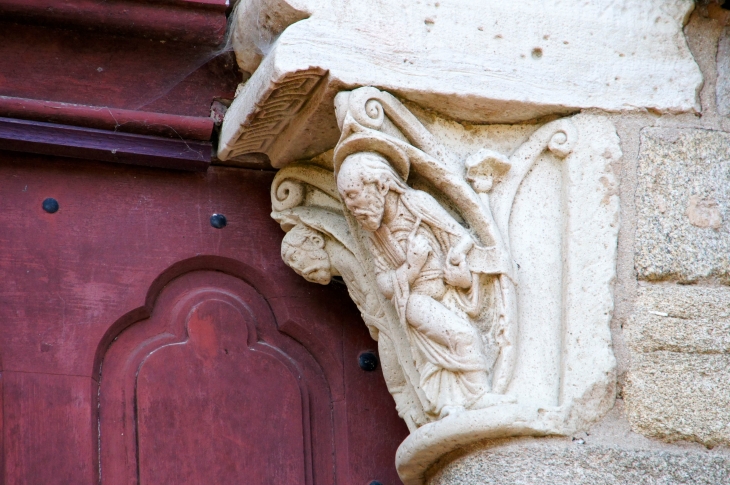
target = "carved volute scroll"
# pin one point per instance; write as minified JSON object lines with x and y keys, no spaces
{"x":423,"y":240}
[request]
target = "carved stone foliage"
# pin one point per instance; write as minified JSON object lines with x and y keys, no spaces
{"x":484,"y":276}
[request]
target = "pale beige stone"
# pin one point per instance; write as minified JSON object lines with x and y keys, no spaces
{"x":473,"y":60}
{"x":704,"y":212}
{"x":676,"y":396}
{"x":259,"y":23}
{"x":678,"y":386}
{"x":484,"y":272}
{"x":682,"y":204}
{"x":551,"y":192}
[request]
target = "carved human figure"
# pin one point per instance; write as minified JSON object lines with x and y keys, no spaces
{"x":317,"y":258}
{"x":419,"y":252}
{"x":459,"y":325}
{"x":303,"y":251}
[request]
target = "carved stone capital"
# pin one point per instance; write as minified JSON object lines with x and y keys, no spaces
{"x":484,"y":274}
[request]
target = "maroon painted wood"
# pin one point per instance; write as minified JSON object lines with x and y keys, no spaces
{"x":46,"y":429}
{"x":105,"y":118}
{"x":71,"y":141}
{"x":94,"y":69}
{"x":245,"y":402}
{"x":126,"y":246}
{"x":211,"y":366}
{"x":194,"y":21}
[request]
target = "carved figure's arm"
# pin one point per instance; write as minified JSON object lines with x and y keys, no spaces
{"x":456,"y":269}
{"x":416,"y":256}
{"x":385,"y":283}
{"x":457,"y":253}
{"x":457,"y":272}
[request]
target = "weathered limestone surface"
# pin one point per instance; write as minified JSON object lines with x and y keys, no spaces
{"x":612,"y":54}
{"x":472,"y":60}
{"x":678,"y":387}
{"x":484,"y":275}
{"x":582,"y":464}
{"x":682,"y":204}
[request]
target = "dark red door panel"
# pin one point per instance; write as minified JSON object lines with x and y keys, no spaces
{"x":196,"y":394}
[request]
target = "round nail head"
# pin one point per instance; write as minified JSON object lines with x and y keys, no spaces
{"x":368,"y":361}
{"x":218,"y":221}
{"x":50,"y":205}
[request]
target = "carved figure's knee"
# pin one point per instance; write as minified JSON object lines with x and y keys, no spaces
{"x":424,"y":311}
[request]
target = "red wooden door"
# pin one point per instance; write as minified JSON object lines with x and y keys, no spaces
{"x":141,"y":345}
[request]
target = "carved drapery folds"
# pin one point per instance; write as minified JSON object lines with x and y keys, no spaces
{"x":473,"y":344}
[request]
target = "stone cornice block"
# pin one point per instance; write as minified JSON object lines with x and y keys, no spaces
{"x":476,"y":61}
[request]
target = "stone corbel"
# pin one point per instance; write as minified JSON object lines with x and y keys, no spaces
{"x":501,"y":357}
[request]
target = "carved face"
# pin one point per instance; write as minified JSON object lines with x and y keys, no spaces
{"x":303,"y":251}
{"x":363,"y":195}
